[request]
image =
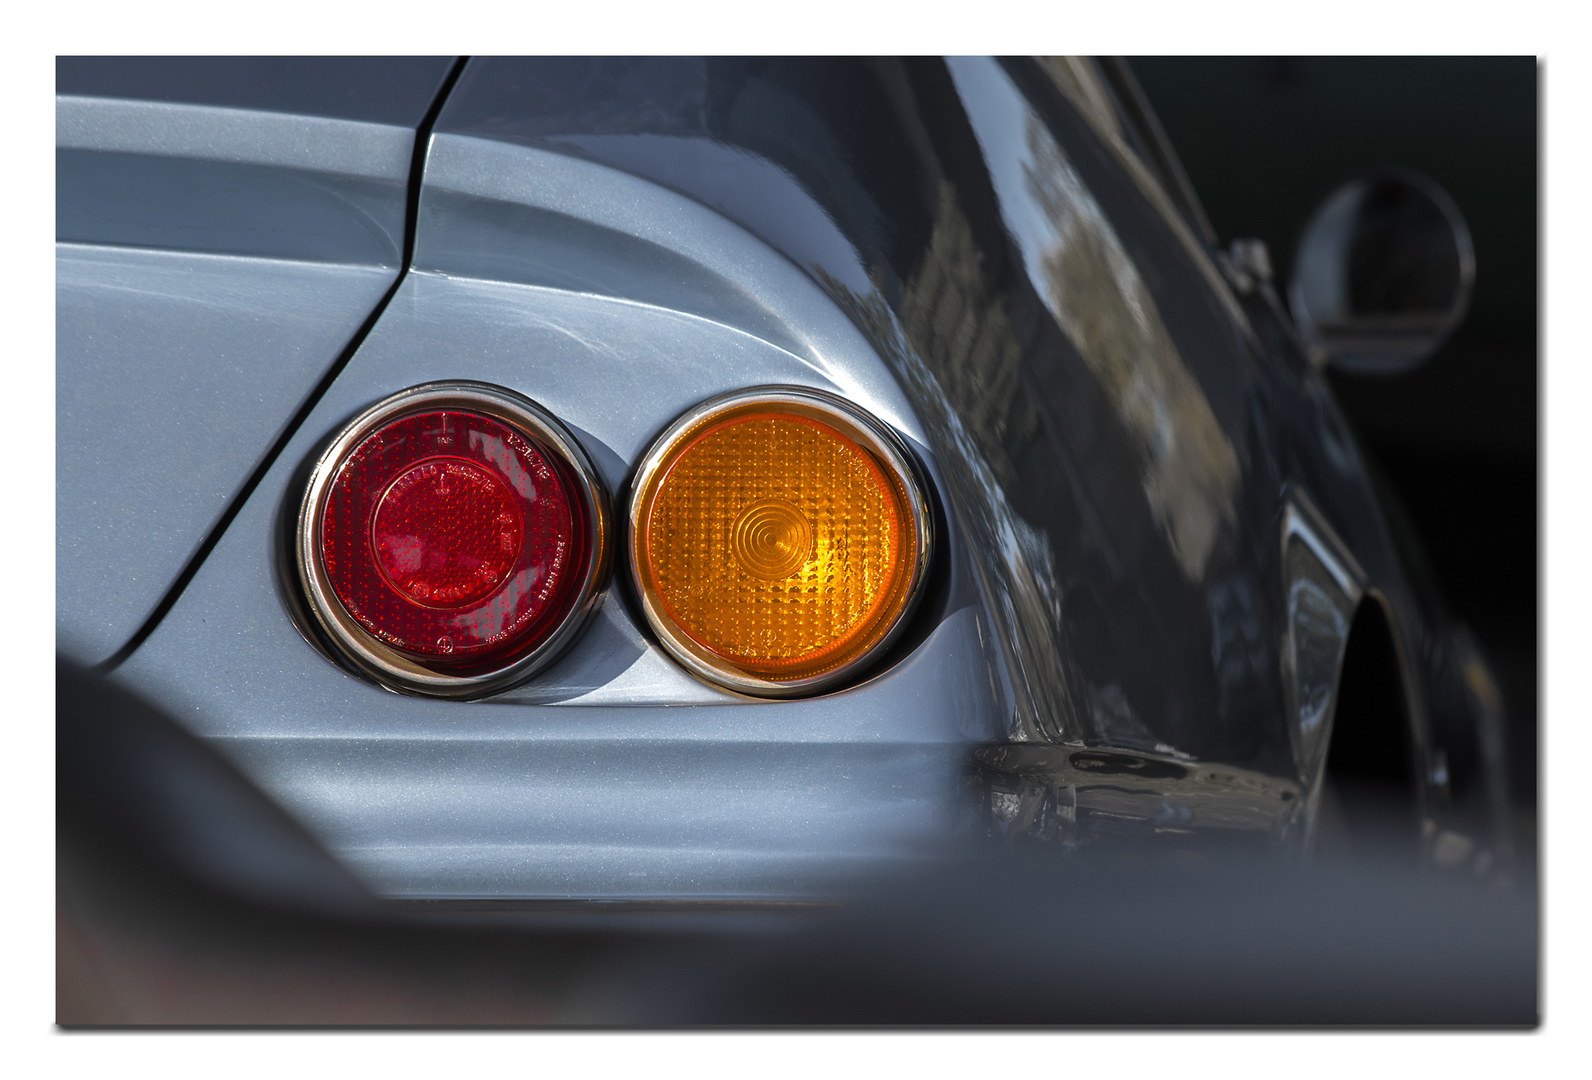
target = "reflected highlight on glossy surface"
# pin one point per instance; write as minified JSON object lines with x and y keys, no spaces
{"x":1093,"y":289}
{"x":780,"y":546}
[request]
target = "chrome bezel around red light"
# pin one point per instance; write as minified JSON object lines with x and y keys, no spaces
{"x":368,"y":653}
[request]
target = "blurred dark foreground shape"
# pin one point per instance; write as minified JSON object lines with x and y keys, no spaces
{"x":184,"y":897}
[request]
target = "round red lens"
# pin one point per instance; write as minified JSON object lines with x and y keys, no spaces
{"x":454,"y":539}
{"x":447,"y":533}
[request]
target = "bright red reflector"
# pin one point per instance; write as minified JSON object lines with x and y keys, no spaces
{"x":454,"y":539}
{"x":447,"y":532}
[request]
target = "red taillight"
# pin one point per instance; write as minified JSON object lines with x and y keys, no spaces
{"x":450,"y":537}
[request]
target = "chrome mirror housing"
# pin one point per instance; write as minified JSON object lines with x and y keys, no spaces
{"x":1382,"y":274}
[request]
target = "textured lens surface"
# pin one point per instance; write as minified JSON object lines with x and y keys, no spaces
{"x":771,"y":539}
{"x":447,"y":533}
{"x":778,"y":543}
{"x":453,"y":538}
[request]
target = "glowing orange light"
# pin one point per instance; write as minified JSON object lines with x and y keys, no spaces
{"x":778,"y":539}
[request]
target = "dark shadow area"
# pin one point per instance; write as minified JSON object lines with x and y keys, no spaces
{"x":1263,"y":140}
{"x":184,"y":898}
{"x":1369,"y":800}
{"x":994,"y":942}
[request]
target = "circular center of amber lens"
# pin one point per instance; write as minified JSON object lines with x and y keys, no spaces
{"x":771,"y":539}
{"x":778,"y":543}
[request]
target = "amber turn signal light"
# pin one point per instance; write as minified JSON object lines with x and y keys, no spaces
{"x":778,"y":540}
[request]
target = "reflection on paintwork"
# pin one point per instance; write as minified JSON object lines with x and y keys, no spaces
{"x":954,"y":345}
{"x":1319,"y":632}
{"x":1055,"y":797}
{"x":1450,"y":848}
{"x":870,"y":171}
{"x":1241,"y":654}
{"x":1172,"y":817}
{"x":1113,"y":718}
{"x":736,"y":181}
{"x":1002,"y":395}
{"x":1323,"y":584}
{"x":1077,"y":79}
{"x":1188,"y":467}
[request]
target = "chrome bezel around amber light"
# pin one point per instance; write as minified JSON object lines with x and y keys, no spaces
{"x":876,"y":437}
{"x":369,"y":654}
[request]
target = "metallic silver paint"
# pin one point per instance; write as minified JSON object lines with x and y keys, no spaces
{"x":590,"y":779}
{"x":500,"y":212}
{"x":618,"y":303}
{"x":217,"y":262}
{"x":173,"y":371}
{"x":234,"y":181}
{"x":243,"y":136}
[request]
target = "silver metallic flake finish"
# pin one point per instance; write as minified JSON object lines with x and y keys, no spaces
{"x":173,"y":372}
{"x":244,"y":136}
{"x":212,"y":263}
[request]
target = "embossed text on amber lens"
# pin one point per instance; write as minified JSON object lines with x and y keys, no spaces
{"x":777,"y":543}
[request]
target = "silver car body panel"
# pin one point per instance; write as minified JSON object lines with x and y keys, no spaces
{"x":236,"y":181}
{"x":167,"y":392}
{"x":590,"y":780}
{"x":1087,"y":664}
{"x":161,"y":129}
{"x":501,"y":212}
{"x":214,"y":263}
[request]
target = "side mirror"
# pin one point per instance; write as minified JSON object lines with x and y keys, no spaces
{"x":1382,"y":275}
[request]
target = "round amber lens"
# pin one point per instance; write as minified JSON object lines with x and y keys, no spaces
{"x":777,"y":543}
